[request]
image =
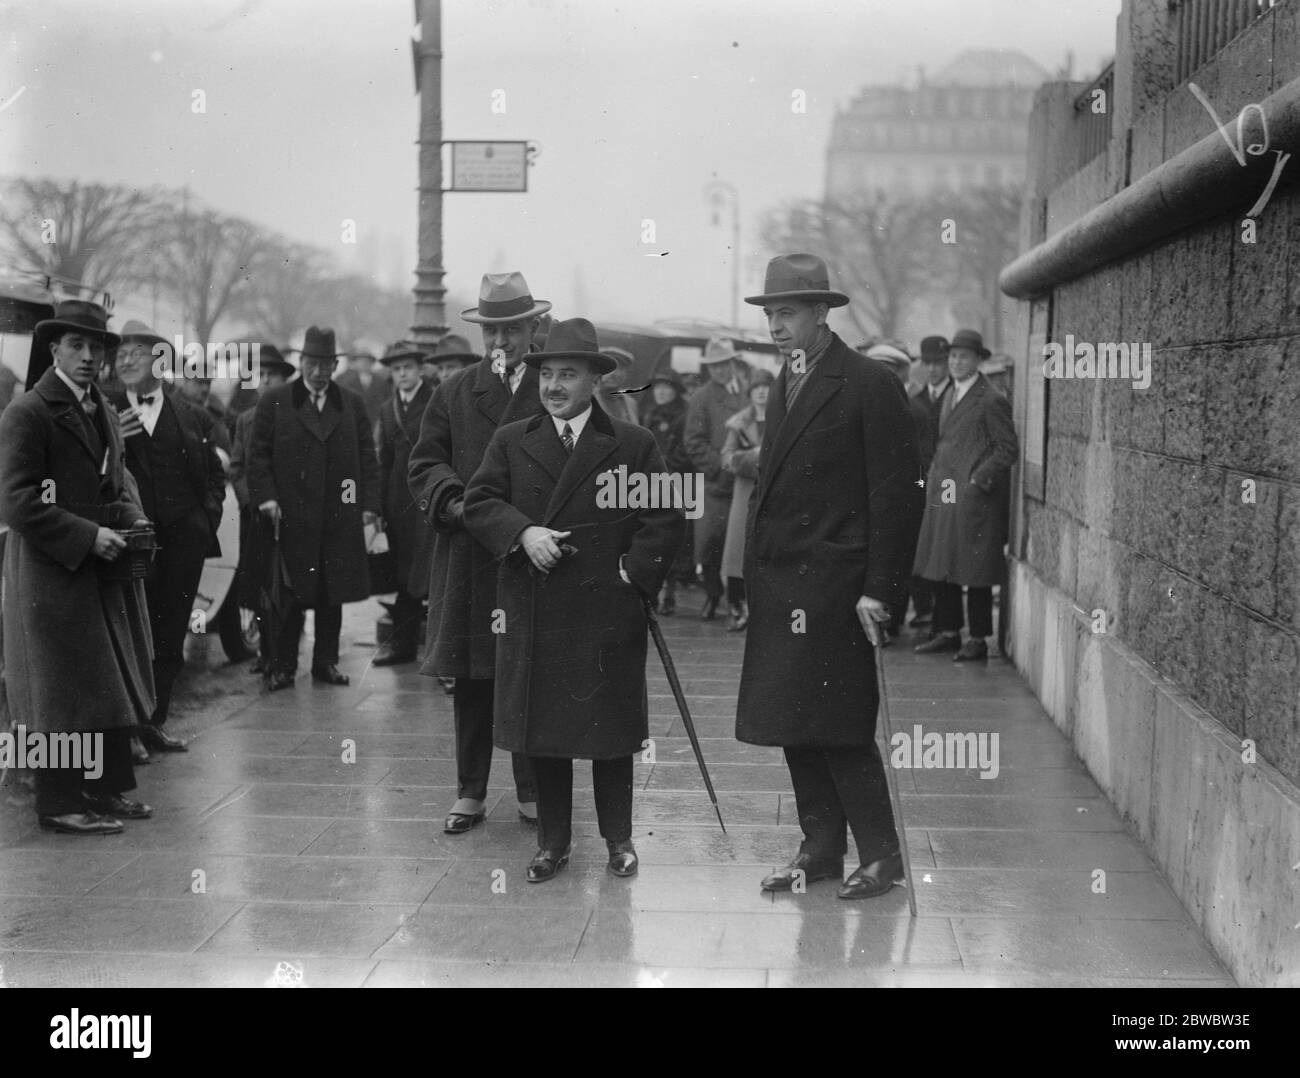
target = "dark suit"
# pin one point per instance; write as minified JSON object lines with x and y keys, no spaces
{"x":570,"y":666}
{"x":410,"y":538}
{"x":921,"y":589}
{"x":182,"y":487}
{"x":320,"y":467}
{"x":833,"y":518}
{"x":464,"y":413}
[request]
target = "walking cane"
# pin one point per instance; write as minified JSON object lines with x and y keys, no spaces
{"x":894,"y":797}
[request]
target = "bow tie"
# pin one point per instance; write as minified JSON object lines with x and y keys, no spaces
{"x":146,"y":399}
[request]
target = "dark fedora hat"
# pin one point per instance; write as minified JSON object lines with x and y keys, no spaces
{"x":454,"y":346}
{"x":77,"y":316}
{"x":401,"y":350}
{"x":672,"y":378}
{"x":761,"y":377}
{"x":801,"y":277}
{"x":319,"y":344}
{"x":504,"y":297}
{"x":972,"y":339}
{"x":270,"y":359}
{"x":934,"y":349}
{"x":573,"y":338}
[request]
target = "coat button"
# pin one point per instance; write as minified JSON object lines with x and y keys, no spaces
{"x":424,"y":505}
{"x":805,"y":520}
{"x":536,"y":490}
{"x":807,"y":469}
{"x":803,"y":570}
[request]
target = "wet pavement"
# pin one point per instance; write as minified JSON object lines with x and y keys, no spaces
{"x":300,"y":842}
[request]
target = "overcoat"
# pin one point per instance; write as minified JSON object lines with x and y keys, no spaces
{"x":409,"y":534}
{"x":833,"y":517}
{"x":459,"y":422}
{"x":740,"y":453}
{"x":570,"y":661}
{"x":707,"y":412}
{"x":78,"y":648}
{"x":320,"y":467}
{"x":965,"y":525}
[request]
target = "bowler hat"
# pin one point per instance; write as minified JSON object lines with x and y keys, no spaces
{"x":319,"y":344}
{"x":801,"y":277}
{"x":573,"y":338}
{"x":934,"y":349}
{"x":504,"y":297}
{"x":719,"y":350}
{"x":77,"y":316}
{"x":401,"y":350}
{"x":970,"y":338}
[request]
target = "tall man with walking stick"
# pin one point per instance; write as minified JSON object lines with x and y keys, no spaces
{"x":832,"y":524}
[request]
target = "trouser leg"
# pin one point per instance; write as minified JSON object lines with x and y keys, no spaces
{"x":947,"y":607}
{"x":710,"y":537}
{"x":170,"y":587}
{"x":118,"y":774}
{"x":820,"y":814}
{"x":472,"y":707}
{"x":554,"y":801}
{"x":979,"y":611}
{"x":922,"y":596}
{"x":59,"y":789}
{"x":327,"y":626}
{"x":286,"y":627}
{"x":611,"y":782}
{"x":862,"y":790}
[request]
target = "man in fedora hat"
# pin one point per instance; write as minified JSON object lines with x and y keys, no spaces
{"x":451,"y":354}
{"x":666,"y":420}
{"x":967,"y":501}
{"x":409,"y":536}
{"x":312,"y":468}
{"x":171,"y":450}
{"x":570,"y":661}
{"x":832,"y":524}
{"x":465,"y":412}
{"x":76,"y":640}
{"x":608,"y":391}
{"x":934,"y":363}
{"x":707,"y":412}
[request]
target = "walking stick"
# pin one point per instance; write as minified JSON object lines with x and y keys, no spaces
{"x":893,"y":782}
{"x":671,"y":671}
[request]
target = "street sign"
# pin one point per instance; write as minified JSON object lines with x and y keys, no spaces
{"x":489,"y":166}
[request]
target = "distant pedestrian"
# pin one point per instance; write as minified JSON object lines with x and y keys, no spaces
{"x":366,"y":382}
{"x":936,"y":381}
{"x":740,"y":457}
{"x":967,"y":502}
{"x":666,"y":420}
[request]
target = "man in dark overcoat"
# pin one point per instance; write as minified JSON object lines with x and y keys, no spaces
{"x":666,"y":420}
{"x":832,"y":523}
{"x":571,"y":654}
{"x":409,"y":536}
{"x":77,"y":644}
{"x":717,"y":400}
{"x":465,"y":412}
{"x":934,"y":363}
{"x":171,"y":451}
{"x":312,"y":468}
{"x":968,"y":493}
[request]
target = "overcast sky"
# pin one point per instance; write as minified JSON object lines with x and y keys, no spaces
{"x":311,"y":117}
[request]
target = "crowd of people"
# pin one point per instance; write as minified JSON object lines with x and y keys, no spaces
{"x":832,"y":498}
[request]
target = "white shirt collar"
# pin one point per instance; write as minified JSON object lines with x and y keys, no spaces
{"x":960,"y":387}
{"x":937,"y":391}
{"x":408,"y":395}
{"x":77,"y":391}
{"x":576,"y":424}
{"x":515,"y":375}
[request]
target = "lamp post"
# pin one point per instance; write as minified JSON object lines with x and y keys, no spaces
{"x":430,"y":315}
{"x":719,"y":193}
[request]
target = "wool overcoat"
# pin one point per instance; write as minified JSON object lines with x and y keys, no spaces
{"x":833,"y":517}
{"x":78,"y":648}
{"x":968,"y":491}
{"x":320,"y":466}
{"x":571,"y":656}
{"x":459,"y":422}
{"x":409,"y":535}
{"x":740,"y":454}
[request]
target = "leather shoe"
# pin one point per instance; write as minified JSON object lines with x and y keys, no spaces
{"x":117,"y":806}
{"x":545,"y":864}
{"x":156,"y":739}
{"x":464,"y":814}
{"x":329,"y":675}
{"x":972,"y":651}
{"x":277,"y":680}
{"x":387,"y":655}
{"x":623,"y":860}
{"x":448,"y":684}
{"x":139,"y":754}
{"x":813,"y":870}
{"x":942,"y":642}
{"x":82,"y":823}
{"x":709,"y":610}
{"x":873,"y":879}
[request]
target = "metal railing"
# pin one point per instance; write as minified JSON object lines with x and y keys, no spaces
{"x":1093,"y":127}
{"x":1206,"y":26}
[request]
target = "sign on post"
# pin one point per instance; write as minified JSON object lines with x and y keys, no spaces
{"x":489,"y":166}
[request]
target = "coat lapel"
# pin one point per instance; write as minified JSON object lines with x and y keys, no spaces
{"x":65,"y":409}
{"x":322,"y":423}
{"x":410,"y":423}
{"x":490,"y":394}
{"x":525,"y":400}
{"x":542,"y":444}
{"x":974,"y":393}
{"x":783,"y":428}
{"x":596,"y":444}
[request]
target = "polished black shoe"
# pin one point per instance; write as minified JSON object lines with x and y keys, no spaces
{"x":390,"y":656}
{"x":974,"y":650}
{"x":139,"y":754}
{"x":329,"y":675}
{"x":709,"y":610}
{"x":277,"y":680}
{"x":623,"y":860}
{"x":464,"y":814}
{"x":82,"y":823}
{"x":874,"y":879}
{"x":545,"y":864}
{"x":156,"y":739}
{"x":812,"y":868}
{"x":941,"y":642}
{"x":117,"y":806}
{"x":448,"y":684}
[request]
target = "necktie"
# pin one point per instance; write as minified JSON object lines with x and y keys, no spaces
{"x":147,"y":399}
{"x":319,"y":400}
{"x":89,"y":406}
{"x":566,"y":439}
{"x":946,"y":410}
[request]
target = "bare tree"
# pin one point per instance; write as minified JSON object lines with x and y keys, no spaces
{"x":95,"y":234}
{"x":987,"y":221}
{"x":283,"y":292}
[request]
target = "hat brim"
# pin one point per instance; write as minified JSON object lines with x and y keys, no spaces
{"x":388,"y":361}
{"x":147,"y":338}
{"x":453,"y":357}
{"x":602,"y":364}
{"x":539,"y":306}
{"x":831,"y":299}
{"x":50,"y":326}
{"x":319,"y":355}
